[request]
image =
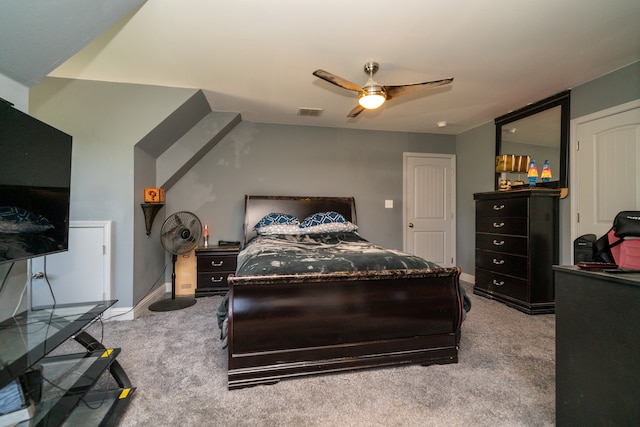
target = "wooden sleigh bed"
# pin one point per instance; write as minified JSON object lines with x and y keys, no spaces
{"x":308,"y":322}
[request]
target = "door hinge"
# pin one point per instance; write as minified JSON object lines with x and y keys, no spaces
{"x":578,"y":217}
{"x":104,"y":250}
{"x":577,"y":145}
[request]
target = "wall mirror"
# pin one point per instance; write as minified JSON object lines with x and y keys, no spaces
{"x":541,"y":131}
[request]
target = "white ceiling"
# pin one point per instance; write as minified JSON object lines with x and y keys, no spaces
{"x":256,"y":57}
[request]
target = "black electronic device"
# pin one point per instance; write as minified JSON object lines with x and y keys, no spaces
{"x":232,"y":243}
{"x":35,"y":186}
{"x":583,"y":248}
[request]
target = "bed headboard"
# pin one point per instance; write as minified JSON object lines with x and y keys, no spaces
{"x":255,"y":207}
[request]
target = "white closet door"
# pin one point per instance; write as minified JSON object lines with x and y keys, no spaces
{"x":82,"y":273}
{"x":608,"y":170}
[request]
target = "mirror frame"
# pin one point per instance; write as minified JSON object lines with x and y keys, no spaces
{"x":561,"y":99}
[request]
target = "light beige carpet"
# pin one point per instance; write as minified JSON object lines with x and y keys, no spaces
{"x":505,"y":377}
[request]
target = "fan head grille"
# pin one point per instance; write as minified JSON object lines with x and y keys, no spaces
{"x":181,"y":232}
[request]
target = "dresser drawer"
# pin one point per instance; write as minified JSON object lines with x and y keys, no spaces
{"x":496,"y":283}
{"x":516,"y":245}
{"x":497,"y":262}
{"x":502,"y":225}
{"x":217,"y":263}
{"x":502,"y":207}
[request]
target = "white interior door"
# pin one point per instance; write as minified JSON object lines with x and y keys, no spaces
{"x":429,"y":201}
{"x":82,"y":273}
{"x":607,"y":168}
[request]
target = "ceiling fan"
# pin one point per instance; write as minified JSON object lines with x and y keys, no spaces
{"x":373,"y":94}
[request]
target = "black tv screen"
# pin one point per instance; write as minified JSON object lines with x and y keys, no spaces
{"x":35,"y":183}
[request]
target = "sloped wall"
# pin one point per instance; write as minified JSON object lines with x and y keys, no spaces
{"x":106,"y":121}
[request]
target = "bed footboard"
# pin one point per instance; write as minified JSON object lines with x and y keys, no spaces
{"x":301,"y":326}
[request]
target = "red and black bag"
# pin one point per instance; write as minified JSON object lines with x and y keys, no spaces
{"x":621,"y":244}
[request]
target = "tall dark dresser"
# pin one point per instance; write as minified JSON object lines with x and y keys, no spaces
{"x":517,"y":243}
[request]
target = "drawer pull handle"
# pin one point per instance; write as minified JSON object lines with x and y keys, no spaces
{"x":500,"y":243}
{"x":496,"y":225}
{"x":500,"y":283}
{"x":217,"y":264}
{"x":214,"y":280}
{"x":498,"y":262}
{"x":498,"y":208}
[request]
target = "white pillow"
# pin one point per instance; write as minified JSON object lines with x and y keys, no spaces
{"x":267,"y":230}
{"x":332,"y":227}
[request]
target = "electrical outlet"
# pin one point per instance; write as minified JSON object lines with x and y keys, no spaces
{"x":388,"y":204}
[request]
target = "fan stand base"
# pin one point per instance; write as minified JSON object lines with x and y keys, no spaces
{"x":172,"y":304}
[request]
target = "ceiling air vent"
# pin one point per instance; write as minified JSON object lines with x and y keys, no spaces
{"x":308,"y":111}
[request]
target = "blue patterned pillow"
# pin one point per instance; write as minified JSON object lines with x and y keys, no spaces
{"x":275,"y":218}
{"x":322,"y":218}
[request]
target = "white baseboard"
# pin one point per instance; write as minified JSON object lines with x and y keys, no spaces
{"x":130,"y":313}
{"x":465,"y":277}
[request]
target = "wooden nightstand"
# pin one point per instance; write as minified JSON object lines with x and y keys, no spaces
{"x":215,"y":263}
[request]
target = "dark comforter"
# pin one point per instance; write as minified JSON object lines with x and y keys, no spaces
{"x":321,"y":253}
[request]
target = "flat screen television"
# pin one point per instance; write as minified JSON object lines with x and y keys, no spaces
{"x":35,"y":186}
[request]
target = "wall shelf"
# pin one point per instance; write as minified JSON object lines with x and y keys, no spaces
{"x":150,"y":211}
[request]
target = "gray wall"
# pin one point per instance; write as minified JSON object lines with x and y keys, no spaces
{"x":475,"y":151}
{"x":267,"y":159}
{"x":106,"y":120}
{"x":608,"y":91}
{"x":148,"y":255}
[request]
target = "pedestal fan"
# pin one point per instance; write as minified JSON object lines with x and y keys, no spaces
{"x":180,"y":233}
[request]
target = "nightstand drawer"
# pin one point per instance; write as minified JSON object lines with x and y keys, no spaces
{"x":502,"y":225}
{"x":497,"y":262}
{"x":217,"y":263}
{"x":516,"y":245}
{"x":213,"y":280}
{"x":502,"y":207}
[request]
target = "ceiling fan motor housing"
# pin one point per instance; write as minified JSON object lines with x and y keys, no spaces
{"x":374,"y":94}
{"x":371,"y":68}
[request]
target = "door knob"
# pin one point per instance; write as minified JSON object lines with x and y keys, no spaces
{"x":410,"y":225}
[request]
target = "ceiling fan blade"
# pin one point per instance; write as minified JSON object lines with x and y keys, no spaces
{"x":356,"y":110}
{"x":338,"y":81}
{"x":398,"y":90}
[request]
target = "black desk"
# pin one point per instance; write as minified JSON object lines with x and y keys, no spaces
{"x":597,"y":348}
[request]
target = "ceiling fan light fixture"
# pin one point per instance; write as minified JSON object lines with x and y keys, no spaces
{"x":371,"y":101}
